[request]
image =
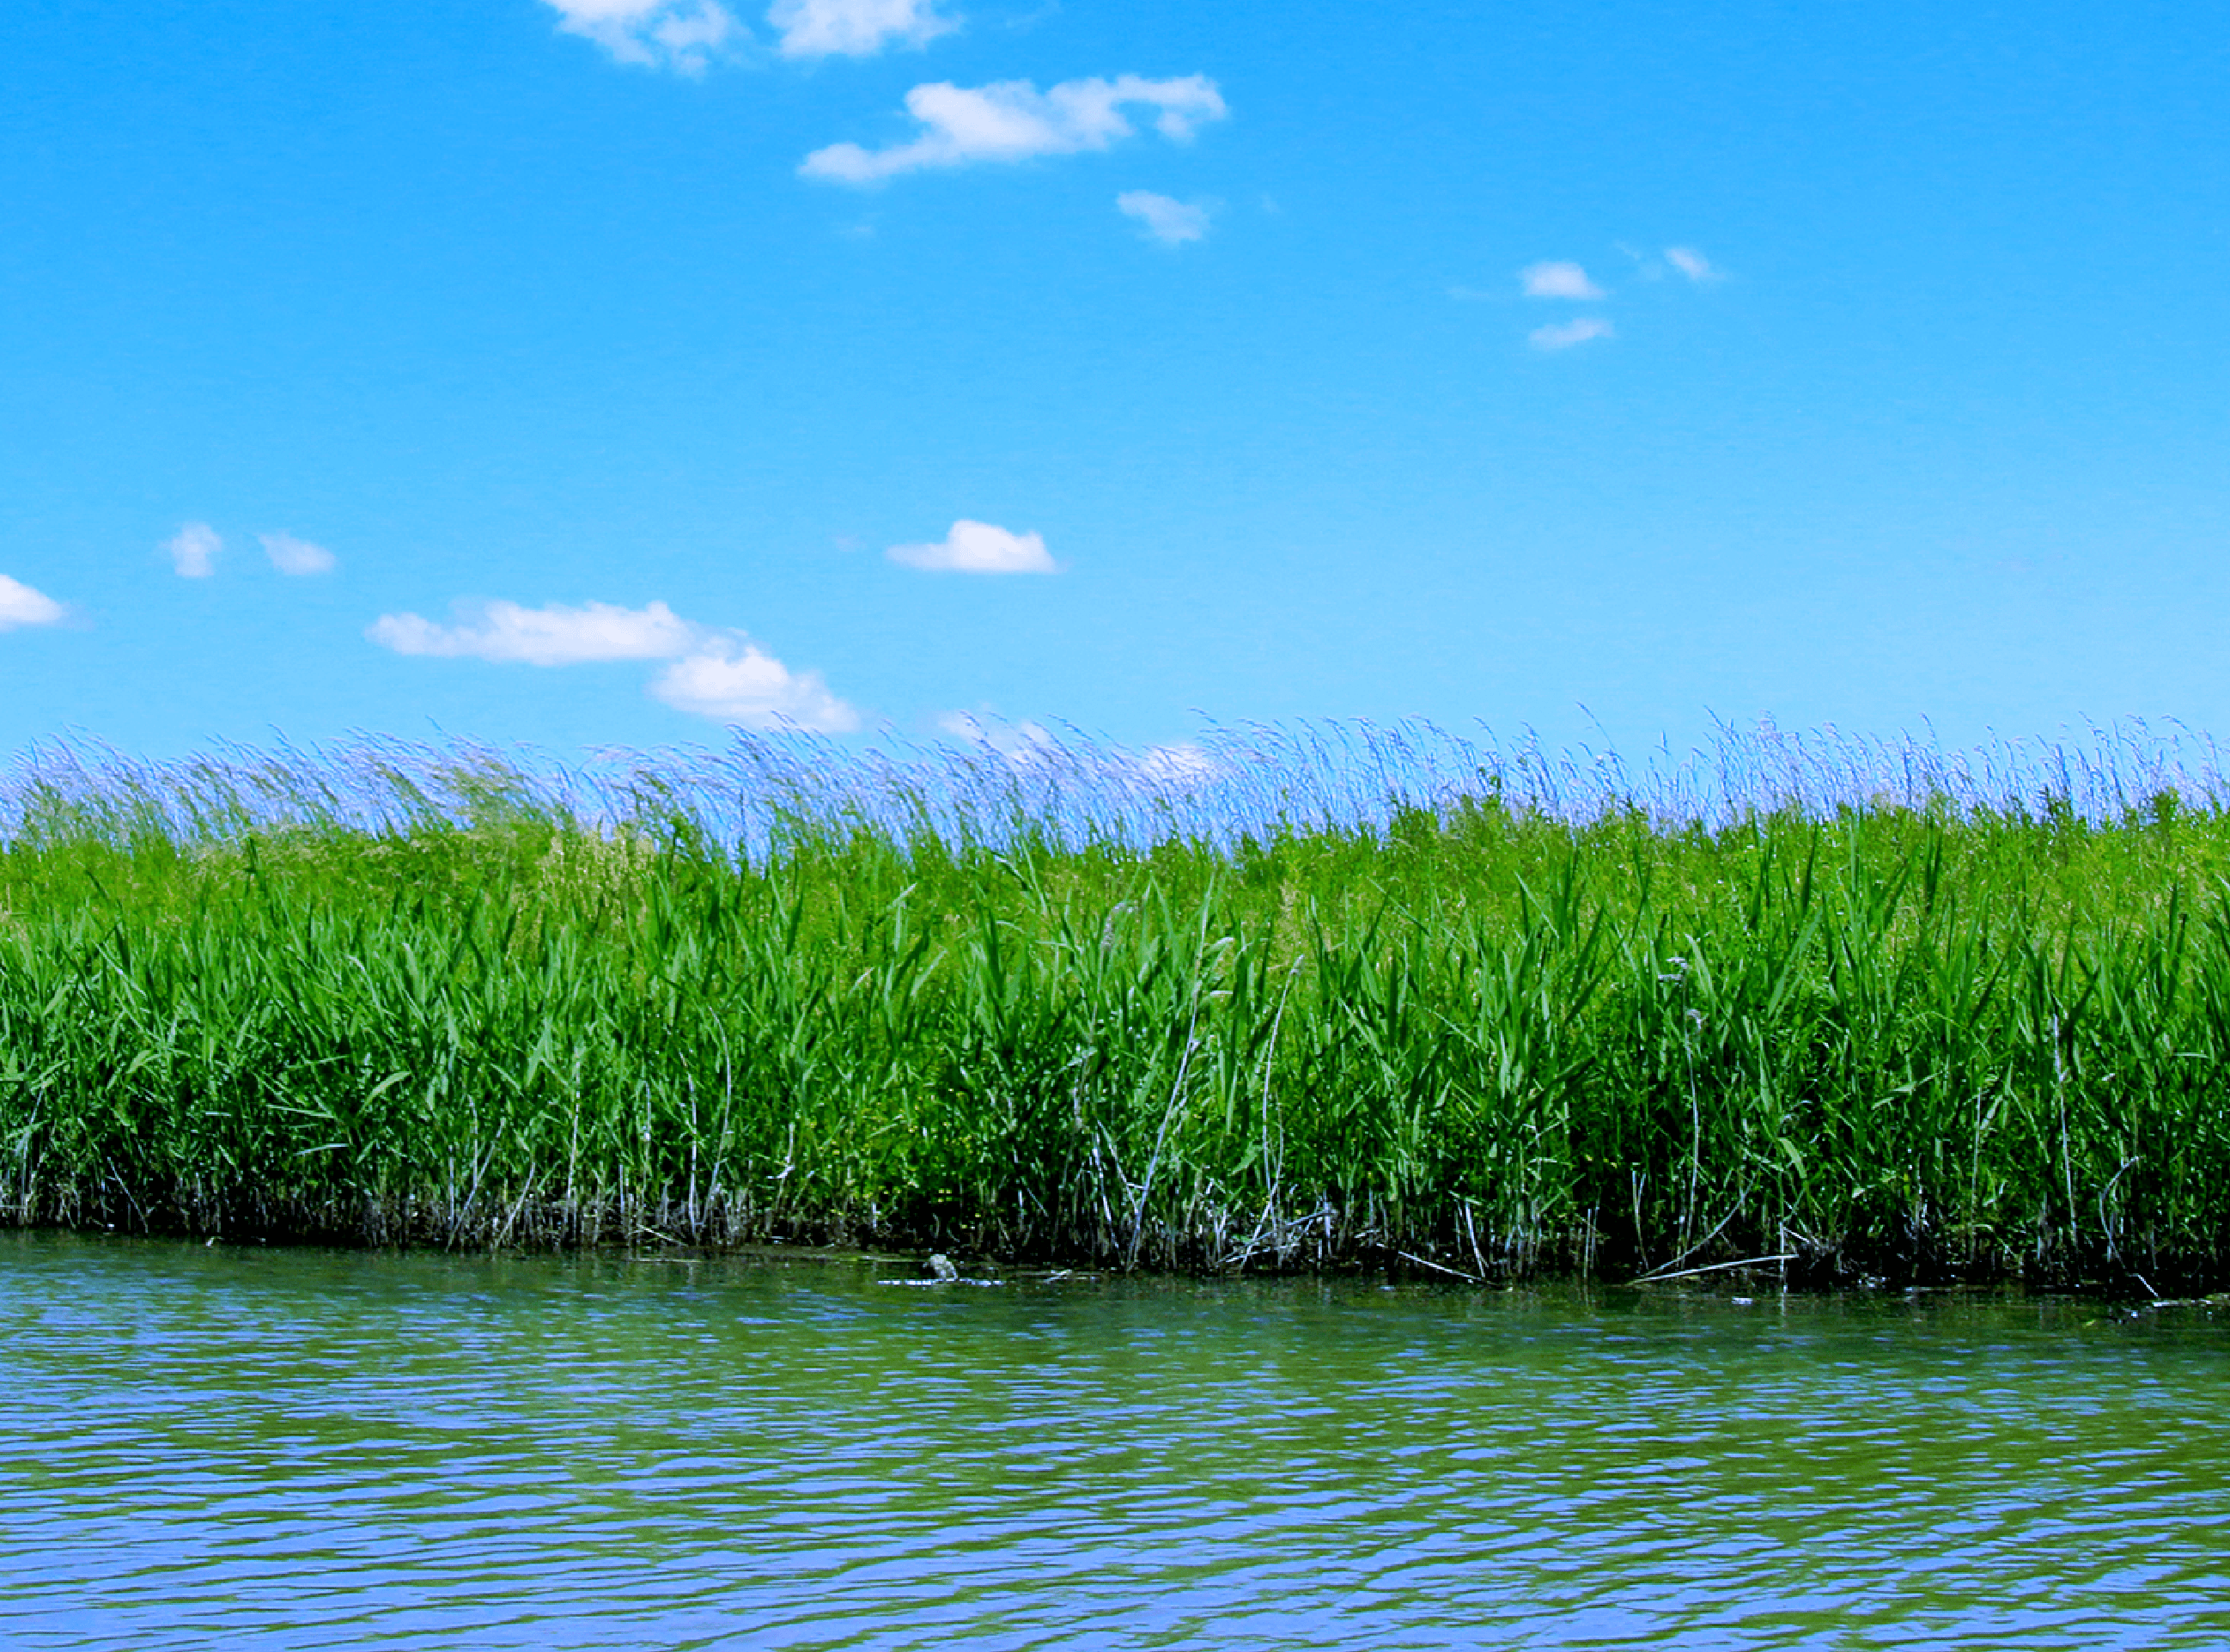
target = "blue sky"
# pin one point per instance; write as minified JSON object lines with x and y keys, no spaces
{"x":582,"y":372}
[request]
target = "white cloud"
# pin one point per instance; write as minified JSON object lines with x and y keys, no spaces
{"x":1171,"y":223}
{"x":1024,"y":744}
{"x":291,"y":556}
{"x":1693,"y":264}
{"x":733,"y":680}
{"x":855,"y":28}
{"x":680,"y":35}
{"x":554,"y":636}
{"x":1182,"y":766}
{"x":193,"y":550}
{"x":988,"y":728}
{"x":1563,"y":335}
{"x":20,"y":605}
{"x":1012,"y":120}
{"x":719,"y":674}
{"x":1556,"y":280}
{"x":979,"y":548}
{"x":966,"y":725}
{"x":1178,"y":766}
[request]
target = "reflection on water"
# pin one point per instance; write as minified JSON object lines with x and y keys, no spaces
{"x":308,"y":1449}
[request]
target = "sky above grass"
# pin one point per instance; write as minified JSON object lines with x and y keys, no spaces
{"x":587,"y":372}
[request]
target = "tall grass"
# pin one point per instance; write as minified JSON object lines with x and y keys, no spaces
{"x":1279,"y":998}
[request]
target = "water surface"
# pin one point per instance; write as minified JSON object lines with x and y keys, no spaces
{"x":270,"y":1448}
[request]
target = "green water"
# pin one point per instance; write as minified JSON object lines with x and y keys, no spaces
{"x":254,"y":1447}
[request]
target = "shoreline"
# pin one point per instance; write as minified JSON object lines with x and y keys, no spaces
{"x":1737,"y":1284}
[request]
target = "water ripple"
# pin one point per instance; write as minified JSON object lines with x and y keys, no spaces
{"x":315,"y":1449}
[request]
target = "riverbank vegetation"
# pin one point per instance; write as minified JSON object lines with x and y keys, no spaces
{"x":1275,"y":999}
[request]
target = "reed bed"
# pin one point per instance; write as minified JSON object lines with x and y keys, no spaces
{"x":1321,"y":998}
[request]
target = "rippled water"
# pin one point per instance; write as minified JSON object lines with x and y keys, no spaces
{"x":300,"y":1448}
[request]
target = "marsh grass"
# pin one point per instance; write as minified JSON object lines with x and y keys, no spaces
{"x":1276,"y":1000}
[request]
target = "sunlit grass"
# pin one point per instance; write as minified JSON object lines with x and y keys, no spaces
{"x":1278,"y":999}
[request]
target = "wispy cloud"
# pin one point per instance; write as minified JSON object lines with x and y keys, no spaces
{"x":1563,"y":335}
{"x":1012,"y":120}
{"x":1558,"y":280}
{"x":193,"y":550}
{"x":1025,"y":744}
{"x":684,"y":35}
{"x":297,"y":556}
{"x":554,"y":636}
{"x":979,"y":548}
{"x":855,"y":28}
{"x":1173,"y":768}
{"x":1693,"y":264}
{"x":980,"y":727}
{"x":20,"y":606}
{"x":1179,"y":765}
{"x":1171,"y":223}
{"x":715,"y":672}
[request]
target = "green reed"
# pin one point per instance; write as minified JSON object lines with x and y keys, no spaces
{"x":1476,"y":1036}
